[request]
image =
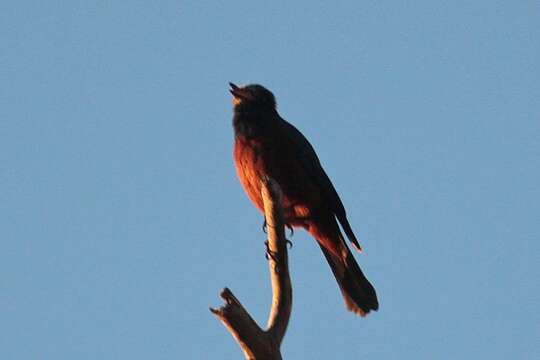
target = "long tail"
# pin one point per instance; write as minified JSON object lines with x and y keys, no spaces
{"x":358,"y":293}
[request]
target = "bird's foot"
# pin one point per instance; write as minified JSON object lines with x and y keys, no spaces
{"x":269,"y":253}
{"x":272,"y":255}
{"x":265,"y":227}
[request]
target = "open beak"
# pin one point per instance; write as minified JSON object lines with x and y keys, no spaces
{"x":239,"y":93}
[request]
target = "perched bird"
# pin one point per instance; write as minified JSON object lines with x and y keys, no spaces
{"x":267,"y":145}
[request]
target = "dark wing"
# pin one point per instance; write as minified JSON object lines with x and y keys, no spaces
{"x":311,"y":164}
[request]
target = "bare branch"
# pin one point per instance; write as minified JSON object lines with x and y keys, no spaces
{"x":278,"y":261}
{"x":255,"y":342}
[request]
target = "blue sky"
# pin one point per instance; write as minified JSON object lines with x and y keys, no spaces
{"x":121,"y":217}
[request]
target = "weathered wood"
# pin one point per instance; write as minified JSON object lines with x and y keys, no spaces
{"x":257,"y":343}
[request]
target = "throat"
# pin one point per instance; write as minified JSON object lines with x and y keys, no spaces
{"x":248,"y":124}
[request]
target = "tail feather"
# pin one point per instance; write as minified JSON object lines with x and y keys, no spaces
{"x":349,"y":232}
{"x":358,"y":293}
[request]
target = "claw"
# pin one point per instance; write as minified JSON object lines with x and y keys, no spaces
{"x":289,"y":226}
{"x":289,"y":243}
{"x":269,"y":253}
{"x":264,"y":226}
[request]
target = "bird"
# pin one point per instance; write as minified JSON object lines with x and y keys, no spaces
{"x":266,"y":145}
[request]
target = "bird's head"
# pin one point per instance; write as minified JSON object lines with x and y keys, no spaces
{"x":252,"y":96}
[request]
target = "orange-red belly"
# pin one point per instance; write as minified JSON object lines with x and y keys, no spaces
{"x":300,"y":195}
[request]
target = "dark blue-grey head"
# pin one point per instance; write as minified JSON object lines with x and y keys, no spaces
{"x":252,"y":96}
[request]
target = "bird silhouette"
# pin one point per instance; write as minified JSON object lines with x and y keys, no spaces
{"x":267,"y":145}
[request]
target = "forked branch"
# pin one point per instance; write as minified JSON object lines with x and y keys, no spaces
{"x":255,"y":342}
